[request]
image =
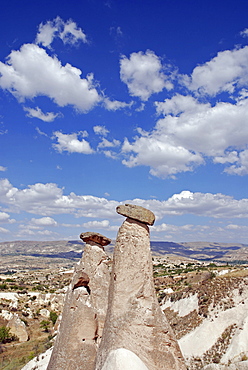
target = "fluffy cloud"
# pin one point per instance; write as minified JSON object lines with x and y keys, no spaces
{"x":68,"y":32}
{"x":199,"y":204}
{"x":189,"y":132}
{"x":100,"y":130}
{"x":44,"y":221}
{"x":108,"y":144}
{"x":5,"y":218}
{"x":31,"y":72}
{"x":48,"y":199}
{"x":104,"y":224}
{"x":225,"y":72}
{"x":142,"y":73}
{"x":70,"y":143}
{"x":2,"y":168}
{"x":37,"y":113}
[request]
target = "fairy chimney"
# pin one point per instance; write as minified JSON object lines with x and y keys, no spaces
{"x":85,"y":309}
{"x":136,"y":331}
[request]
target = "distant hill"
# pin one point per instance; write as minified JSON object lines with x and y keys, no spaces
{"x":203,"y":251}
{"x":37,"y":254}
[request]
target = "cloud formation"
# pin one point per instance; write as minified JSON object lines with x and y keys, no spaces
{"x":189,"y":132}
{"x":71,"y":144}
{"x":37,"y":113}
{"x":48,"y":199}
{"x":143,"y":74}
{"x":225,"y":72}
{"x":31,"y":72}
{"x":68,"y":32}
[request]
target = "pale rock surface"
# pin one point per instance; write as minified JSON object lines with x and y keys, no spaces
{"x":18,"y":328}
{"x":39,"y":362}
{"x":123,"y":359}
{"x":183,"y":306}
{"x":137,"y":213}
{"x":204,"y":336}
{"x":134,"y":319}
{"x":84,"y":312}
{"x":6,"y":315}
{"x":242,"y":365}
{"x":45,"y":312}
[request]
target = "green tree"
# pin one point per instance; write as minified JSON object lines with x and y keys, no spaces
{"x":45,"y":325}
{"x":5,"y":335}
{"x":53,"y":317}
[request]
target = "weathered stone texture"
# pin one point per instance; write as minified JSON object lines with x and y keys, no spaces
{"x":18,"y":328}
{"x":137,"y":213}
{"x":84,"y":312}
{"x":95,"y":237}
{"x":134,"y":319}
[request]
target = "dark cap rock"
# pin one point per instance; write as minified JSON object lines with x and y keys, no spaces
{"x":95,"y":237}
{"x":137,"y":213}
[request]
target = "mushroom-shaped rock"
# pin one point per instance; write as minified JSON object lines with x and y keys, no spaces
{"x":137,"y":213}
{"x":95,"y":237}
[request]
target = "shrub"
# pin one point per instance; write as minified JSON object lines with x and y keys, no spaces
{"x":53,"y":317}
{"x":5,"y":335}
{"x":45,"y":325}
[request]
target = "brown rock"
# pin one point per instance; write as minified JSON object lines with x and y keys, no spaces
{"x":137,"y":213}
{"x":82,"y":281}
{"x":95,"y":237}
{"x":134,"y":320}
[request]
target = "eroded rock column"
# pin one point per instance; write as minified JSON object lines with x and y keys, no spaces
{"x":135,"y":322}
{"x":85,"y":309}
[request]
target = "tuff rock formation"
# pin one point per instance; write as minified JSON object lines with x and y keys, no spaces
{"x":18,"y":328}
{"x":135,"y":323}
{"x":137,"y":213}
{"x":84,"y":309}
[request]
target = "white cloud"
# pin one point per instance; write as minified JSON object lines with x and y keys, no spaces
{"x":5,"y":218}
{"x":44,"y":221}
{"x":68,"y":32}
{"x":104,"y":224}
{"x":100,"y":130}
{"x":37,"y":113}
{"x":70,"y":143}
{"x":2,"y":168}
{"x":199,"y":204}
{"x":110,"y":154}
{"x":113,"y":105}
{"x":31,"y":72}
{"x":109,"y":144}
{"x":189,"y":132}
{"x":40,"y":132}
{"x":241,"y":167}
{"x":225,"y":72}
{"x":4,"y":231}
{"x":244,"y":33}
{"x":49,"y":199}
{"x":143,"y":74}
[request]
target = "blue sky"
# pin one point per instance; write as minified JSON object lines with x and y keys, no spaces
{"x":109,"y":102}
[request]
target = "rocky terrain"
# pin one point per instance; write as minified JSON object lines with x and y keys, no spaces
{"x":205,"y":302}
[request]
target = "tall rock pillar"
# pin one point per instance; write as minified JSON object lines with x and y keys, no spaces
{"x":85,"y":309}
{"x":136,"y":333}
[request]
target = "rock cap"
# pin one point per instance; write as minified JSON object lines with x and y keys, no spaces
{"x":95,"y":237}
{"x":137,"y":213}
